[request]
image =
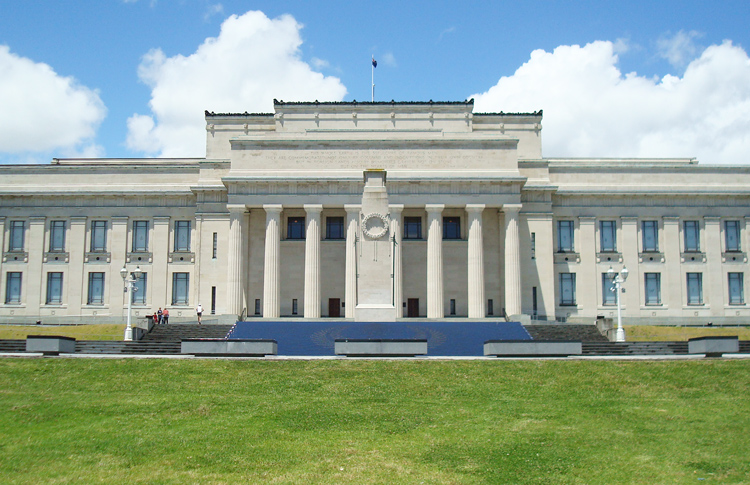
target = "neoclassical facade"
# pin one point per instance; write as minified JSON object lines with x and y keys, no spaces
{"x":270,"y":224}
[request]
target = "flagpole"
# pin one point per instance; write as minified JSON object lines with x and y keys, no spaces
{"x":373,"y":79}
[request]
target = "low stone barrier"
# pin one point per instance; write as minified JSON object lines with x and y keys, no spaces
{"x":380,"y":347}
{"x":714,"y":346}
{"x":50,"y":344}
{"x":233,"y":347}
{"x":532,"y":348}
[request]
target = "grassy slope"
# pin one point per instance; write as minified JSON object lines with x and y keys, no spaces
{"x":78,"y":332}
{"x":218,"y":421}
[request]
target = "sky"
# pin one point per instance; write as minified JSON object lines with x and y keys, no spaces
{"x":132,"y":78}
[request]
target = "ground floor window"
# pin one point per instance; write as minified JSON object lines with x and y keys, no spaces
{"x":295,"y":228}
{"x":139,"y":290}
{"x":96,"y":289}
{"x":412,"y":228}
{"x":567,"y":289}
{"x":335,"y":228}
{"x":653,"y":288}
{"x":180,"y":285}
{"x":695,"y":288}
{"x":453,"y":306}
{"x":294,"y":306}
{"x":608,"y":293}
{"x":54,"y":288}
{"x":13,"y":287}
{"x":736,"y":289}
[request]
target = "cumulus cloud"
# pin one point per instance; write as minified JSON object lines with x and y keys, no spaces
{"x":592,"y":109}
{"x":43,"y":111}
{"x":253,"y":60}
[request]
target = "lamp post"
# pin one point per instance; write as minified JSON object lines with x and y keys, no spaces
{"x":617,"y":280}
{"x":130,"y":280}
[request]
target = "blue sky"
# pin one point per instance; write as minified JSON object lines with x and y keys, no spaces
{"x":131,"y":78}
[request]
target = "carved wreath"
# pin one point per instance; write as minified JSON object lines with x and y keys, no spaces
{"x":375,"y":225}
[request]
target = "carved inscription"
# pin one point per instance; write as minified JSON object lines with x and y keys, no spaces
{"x":361,"y":159}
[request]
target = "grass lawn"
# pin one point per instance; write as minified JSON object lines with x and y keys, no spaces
{"x":334,"y":421}
{"x":636,"y":333}
{"x":104,"y":331}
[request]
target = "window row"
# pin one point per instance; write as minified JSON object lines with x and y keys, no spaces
{"x":691,"y":235}
{"x":295,"y":228}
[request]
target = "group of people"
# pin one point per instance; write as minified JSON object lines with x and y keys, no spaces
{"x":162,"y":316}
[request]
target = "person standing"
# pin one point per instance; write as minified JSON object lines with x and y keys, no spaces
{"x":165,"y":316}
{"x":199,"y":311}
{"x":160,"y":314}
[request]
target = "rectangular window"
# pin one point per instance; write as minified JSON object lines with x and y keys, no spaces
{"x":736,"y":289}
{"x":16,"y":236}
{"x":732,"y":235}
{"x":13,"y":287}
{"x":295,"y":228}
{"x":451,"y":228}
{"x":182,"y":235}
{"x":96,"y":289}
{"x":567,"y":289}
{"x":533,"y":245}
{"x":565,"y":241}
{"x":140,"y":236}
{"x":98,"y":236}
{"x":335,"y":228}
{"x":412,"y":228}
{"x":215,"y":249}
{"x":54,"y":288}
{"x":608,"y":294}
{"x":57,"y":236}
{"x":453,"y":306}
{"x":257,"y":306}
{"x":180,"y":285}
{"x":692,"y":236}
{"x":294,"y":306}
{"x":490,"y":307}
{"x":139,"y":290}
{"x":653,"y":288}
{"x":607,"y":236}
{"x":695,"y":288}
{"x":650,"y":233}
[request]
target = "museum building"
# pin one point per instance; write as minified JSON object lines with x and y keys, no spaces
{"x":270,"y":224}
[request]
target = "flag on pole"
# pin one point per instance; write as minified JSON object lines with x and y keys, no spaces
{"x":374,"y":62}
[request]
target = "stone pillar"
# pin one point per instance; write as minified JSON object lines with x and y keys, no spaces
{"x":398,"y":286}
{"x":713,"y":279}
{"x":271,"y":263}
{"x":350,"y":290}
{"x":512,"y":260}
{"x":117,"y":240}
{"x":75,"y":277}
{"x":235,"y":260}
{"x":476,"y":261}
{"x":34,"y":286}
{"x":435,"y":306}
{"x":312,"y":261}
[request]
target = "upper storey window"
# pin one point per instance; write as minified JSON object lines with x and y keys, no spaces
{"x":140,"y":236}
{"x":608,"y":236}
{"x":16,"y":236}
{"x":565,"y":241}
{"x":57,"y":236}
{"x":732,"y":235}
{"x":295,"y":228}
{"x":650,"y":233}
{"x":451,"y":228}
{"x":692,"y":236}
{"x":412,"y":228}
{"x":182,"y":235}
{"x":334,"y":228}
{"x":98,"y":236}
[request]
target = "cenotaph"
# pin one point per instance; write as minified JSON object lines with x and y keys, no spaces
{"x":375,"y":253}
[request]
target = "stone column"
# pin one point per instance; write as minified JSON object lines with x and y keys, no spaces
{"x":271,"y":263}
{"x":512,"y":260}
{"x":235,"y":260}
{"x":312,"y":261}
{"x":435,"y":307}
{"x":476,"y":261}
{"x":350,"y":290}
{"x":398,"y":287}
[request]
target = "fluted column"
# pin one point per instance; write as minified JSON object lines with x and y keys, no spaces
{"x":312,"y":260}
{"x":512,"y":260}
{"x":235,"y":261}
{"x":476,"y":261}
{"x":350,"y":282}
{"x":271,"y":263}
{"x":435,"y":307}
{"x":398,"y":289}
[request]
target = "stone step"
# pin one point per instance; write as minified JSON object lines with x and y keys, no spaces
{"x":566,"y":331}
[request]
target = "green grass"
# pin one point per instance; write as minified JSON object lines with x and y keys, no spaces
{"x":104,"y":331}
{"x":223,"y":421}
{"x":639,"y":333}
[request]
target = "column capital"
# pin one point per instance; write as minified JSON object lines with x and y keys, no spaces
{"x":277,"y":208}
{"x":434,"y":207}
{"x":508,"y":208}
{"x":475,"y":207}
{"x":236,"y":207}
{"x":397,"y":208}
{"x":352,"y":207}
{"x":313,"y":207}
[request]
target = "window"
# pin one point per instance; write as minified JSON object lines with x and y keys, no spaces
{"x":13,"y":287}
{"x":490,"y":307}
{"x":608,"y":294}
{"x":215,"y":249}
{"x":182,"y":235}
{"x":54,"y":288}
{"x":567,"y":289}
{"x":180,"y":284}
{"x":96,"y":289}
{"x":16,"y":236}
{"x":732,"y":235}
{"x":295,"y":228}
{"x":650,"y":232}
{"x":139,"y":290}
{"x":607,"y":236}
{"x":257,"y":306}
{"x":334,"y":228}
{"x":533,"y":245}
{"x":695,"y":288}
{"x":692,"y":236}
{"x":653,"y":288}
{"x":140,"y":236}
{"x":453,"y":306}
{"x":294,"y":306}
{"x":736,"y":289}
{"x":565,"y":242}
{"x":412,"y":228}
{"x":451,"y":228}
{"x":98,"y":236}
{"x":57,"y":236}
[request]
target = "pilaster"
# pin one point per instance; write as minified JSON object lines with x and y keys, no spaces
{"x":398,"y":279}
{"x":350,"y":278}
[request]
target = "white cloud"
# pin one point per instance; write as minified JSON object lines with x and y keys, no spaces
{"x":211,"y":10}
{"x":42,"y":110}
{"x":253,"y":60}
{"x":389,"y":59}
{"x":591,"y":109}
{"x":679,"y":49}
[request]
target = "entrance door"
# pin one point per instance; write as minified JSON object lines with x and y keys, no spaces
{"x":334,"y":307}
{"x":412,"y":307}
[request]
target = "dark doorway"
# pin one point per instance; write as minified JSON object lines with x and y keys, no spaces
{"x":412,"y":307}
{"x":334,"y":307}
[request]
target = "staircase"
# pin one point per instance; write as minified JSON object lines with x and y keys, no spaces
{"x":635,"y":348}
{"x":176,"y":332}
{"x":583,"y":333}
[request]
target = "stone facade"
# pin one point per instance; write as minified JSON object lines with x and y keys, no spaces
{"x":267,"y":224}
